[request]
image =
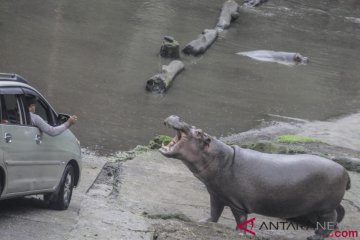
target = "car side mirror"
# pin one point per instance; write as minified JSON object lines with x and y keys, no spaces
{"x":62,"y":117}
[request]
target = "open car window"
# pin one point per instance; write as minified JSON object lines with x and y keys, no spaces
{"x":42,"y":111}
{"x":41,"y":108}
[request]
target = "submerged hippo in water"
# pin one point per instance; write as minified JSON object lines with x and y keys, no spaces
{"x":284,"y":186}
{"x":287,"y":58}
{"x":253,"y":3}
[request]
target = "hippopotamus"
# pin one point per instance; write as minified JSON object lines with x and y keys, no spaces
{"x":247,"y":181}
{"x":287,"y":58}
{"x":253,"y":3}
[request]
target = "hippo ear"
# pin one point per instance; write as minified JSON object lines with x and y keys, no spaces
{"x":199,"y":132}
{"x":207,"y":141}
{"x":297,"y":58}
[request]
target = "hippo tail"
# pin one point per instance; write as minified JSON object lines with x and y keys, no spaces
{"x":348,"y":185}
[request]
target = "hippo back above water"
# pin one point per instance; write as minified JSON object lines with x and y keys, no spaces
{"x":286,"y":58}
{"x":285,"y":186}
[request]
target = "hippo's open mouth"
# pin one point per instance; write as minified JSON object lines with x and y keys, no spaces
{"x":181,"y":128}
{"x":171,"y":146}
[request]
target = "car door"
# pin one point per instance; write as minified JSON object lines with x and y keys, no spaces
{"x":53,"y":152}
{"x":18,"y":143}
{"x":28,"y":164}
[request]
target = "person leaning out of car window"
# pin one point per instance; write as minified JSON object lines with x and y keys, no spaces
{"x":37,"y":121}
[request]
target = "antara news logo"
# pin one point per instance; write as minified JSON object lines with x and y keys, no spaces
{"x":248,"y":228}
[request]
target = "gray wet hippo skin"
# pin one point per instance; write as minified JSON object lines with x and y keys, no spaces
{"x":253,"y":3}
{"x":287,"y":58}
{"x":275,"y":185}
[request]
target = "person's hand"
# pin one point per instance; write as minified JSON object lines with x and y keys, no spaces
{"x":72,"y":119}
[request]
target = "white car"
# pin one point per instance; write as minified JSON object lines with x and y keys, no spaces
{"x":32,"y":162}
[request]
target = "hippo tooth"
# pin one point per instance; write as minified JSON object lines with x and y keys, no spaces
{"x":163,"y":146}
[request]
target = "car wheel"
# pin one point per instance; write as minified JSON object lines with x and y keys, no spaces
{"x":1,"y":186}
{"x":61,"y":199}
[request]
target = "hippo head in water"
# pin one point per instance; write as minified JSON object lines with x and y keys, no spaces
{"x":299,"y":59}
{"x":192,"y":146}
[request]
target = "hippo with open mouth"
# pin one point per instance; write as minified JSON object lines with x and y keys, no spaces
{"x":275,"y":185}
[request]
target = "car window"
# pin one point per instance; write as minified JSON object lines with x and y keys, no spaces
{"x":43,"y":111}
{"x":11,"y":109}
{"x":41,"y":107}
{"x":2,"y":120}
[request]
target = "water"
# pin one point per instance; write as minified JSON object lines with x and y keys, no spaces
{"x":92,"y":58}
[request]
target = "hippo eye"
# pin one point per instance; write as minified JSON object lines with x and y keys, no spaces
{"x":198,"y":132}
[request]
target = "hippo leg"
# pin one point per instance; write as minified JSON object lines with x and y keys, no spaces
{"x":309,"y":220}
{"x":240,"y":217}
{"x":340,"y":213}
{"x":216,"y":207}
{"x":326,"y":220}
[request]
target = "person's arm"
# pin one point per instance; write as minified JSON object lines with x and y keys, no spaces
{"x":46,"y":128}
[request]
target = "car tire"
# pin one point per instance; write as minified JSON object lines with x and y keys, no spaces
{"x":60,"y":200}
{"x":1,"y":185}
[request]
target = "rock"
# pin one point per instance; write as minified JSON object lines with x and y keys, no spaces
{"x":272,"y":147}
{"x":351,"y":164}
{"x":170,"y":48}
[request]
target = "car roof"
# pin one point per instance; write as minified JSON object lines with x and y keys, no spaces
{"x":13,"y":77}
{"x":13,"y":80}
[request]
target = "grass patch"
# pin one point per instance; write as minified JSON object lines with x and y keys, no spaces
{"x":296,"y":139}
{"x":138,"y":150}
{"x":157,"y":142}
{"x":273,"y":147}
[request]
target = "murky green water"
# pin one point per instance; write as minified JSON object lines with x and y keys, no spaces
{"x":92,"y":58}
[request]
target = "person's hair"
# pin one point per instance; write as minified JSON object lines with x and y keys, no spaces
{"x":30,"y":99}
